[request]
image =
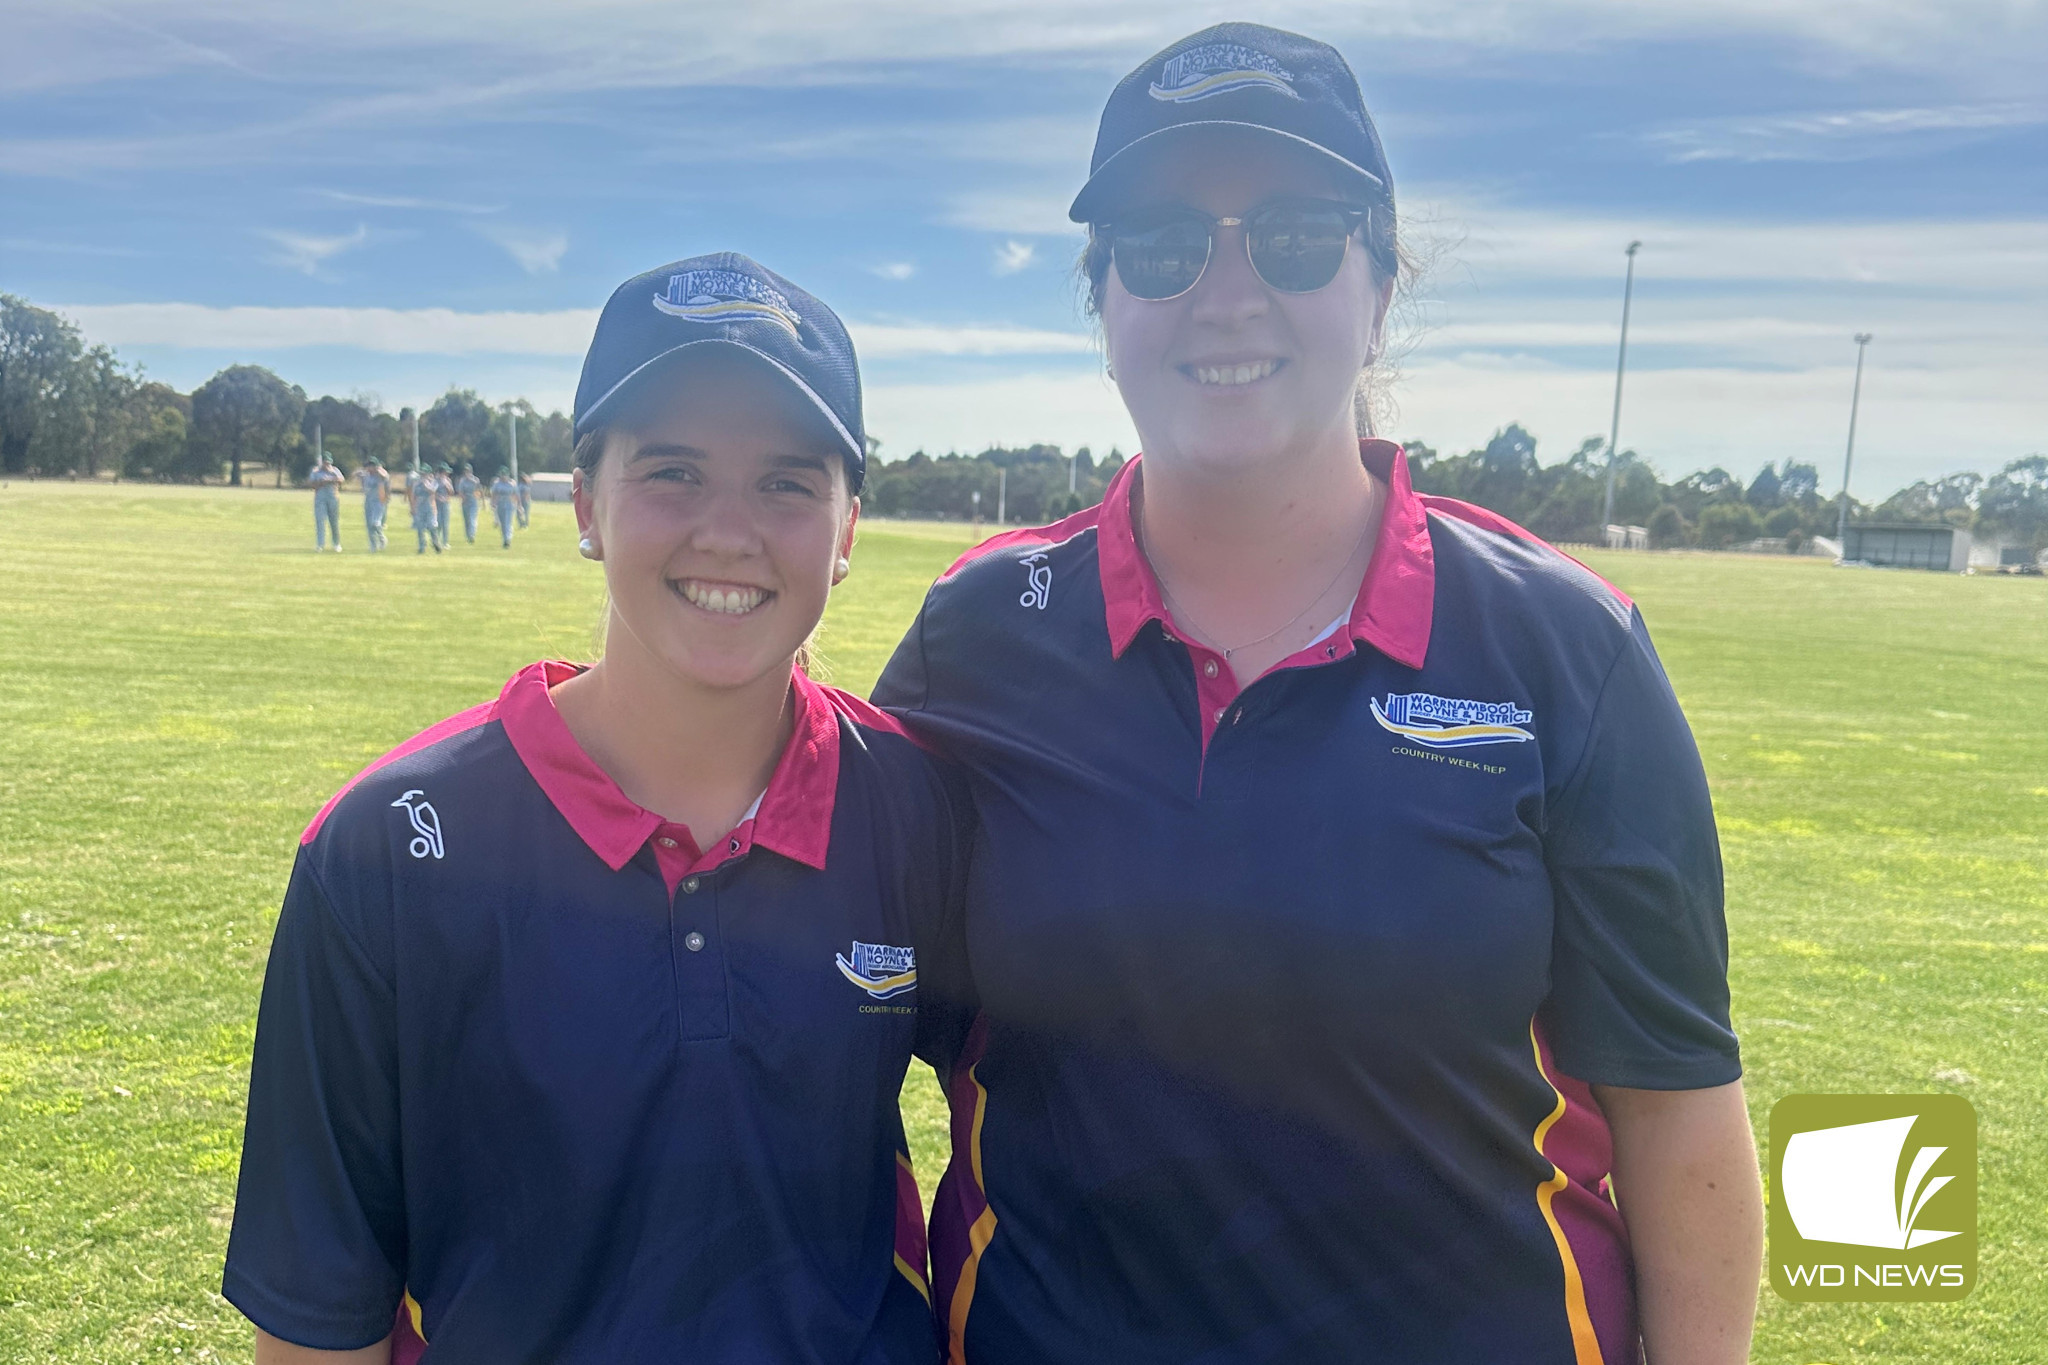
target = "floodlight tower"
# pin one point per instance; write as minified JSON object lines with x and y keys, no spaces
{"x":1628,"y":290}
{"x":1849,"y":458}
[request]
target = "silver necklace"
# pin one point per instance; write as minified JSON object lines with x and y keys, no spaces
{"x":1181,"y":613}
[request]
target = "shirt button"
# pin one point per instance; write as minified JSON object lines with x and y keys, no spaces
{"x":1219,"y":714}
{"x":666,"y":842}
{"x":694,"y":941}
{"x":689,"y":886}
{"x":1209,"y":669}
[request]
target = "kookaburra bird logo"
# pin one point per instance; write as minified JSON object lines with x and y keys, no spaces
{"x":426,"y":822}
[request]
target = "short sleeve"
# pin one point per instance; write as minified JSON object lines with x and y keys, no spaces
{"x":1639,"y":969}
{"x":316,"y":1256}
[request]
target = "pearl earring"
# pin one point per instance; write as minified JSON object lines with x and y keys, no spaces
{"x":586,"y":549}
{"x":842,"y":569}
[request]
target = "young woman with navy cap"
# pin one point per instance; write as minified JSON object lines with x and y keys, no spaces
{"x":588,"y":1009}
{"x":1346,"y":909}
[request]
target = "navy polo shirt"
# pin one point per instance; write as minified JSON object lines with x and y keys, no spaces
{"x":1292,"y":997}
{"x":540,"y":1080}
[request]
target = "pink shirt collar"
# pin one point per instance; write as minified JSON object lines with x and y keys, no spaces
{"x":794,"y":817}
{"x":1393,"y":608}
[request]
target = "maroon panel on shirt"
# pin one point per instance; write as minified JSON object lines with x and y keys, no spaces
{"x":960,"y":1201}
{"x":1582,"y":1146}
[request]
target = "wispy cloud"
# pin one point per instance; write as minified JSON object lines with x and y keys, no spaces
{"x":648,"y":43}
{"x":1838,"y":135}
{"x":399,"y":201}
{"x":1013,"y":256}
{"x":1067,"y":409}
{"x":307,"y":253}
{"x":1041,"y":213}
{"x":66,"y":248}
{"x":445,"y":331}
{"x":888,"y":341}
{"x":894,"y":270}
{"x":537,"y":252}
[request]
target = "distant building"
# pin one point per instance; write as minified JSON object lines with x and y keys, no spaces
{"x":1626,"y":537}
{"x":1908,"y":545}
{"x":2000,"y":554}
{"x":551,"y":487}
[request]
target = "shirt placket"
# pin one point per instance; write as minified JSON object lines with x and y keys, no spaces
{"x":698,"y":949}
{"x":696,"y":941}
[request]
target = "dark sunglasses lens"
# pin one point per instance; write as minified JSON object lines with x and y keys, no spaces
{"x":1162,"y":258}
{"x":1298,"y":250}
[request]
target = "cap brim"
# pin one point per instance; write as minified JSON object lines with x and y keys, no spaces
{"x":856,"y":454}
{"x":1089,"y":202}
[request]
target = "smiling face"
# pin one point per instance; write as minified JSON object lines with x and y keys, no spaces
{"x":1233,"y":371}
{"x":720,"y":509}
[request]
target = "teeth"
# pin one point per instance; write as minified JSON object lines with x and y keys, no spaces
{"x":727,"y":601}
{"x":1234,"y":374}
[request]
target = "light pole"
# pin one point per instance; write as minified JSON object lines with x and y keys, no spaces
{"x":512,"y":415}
{"x":1849,"y":458}
{"x":1628,"y":290}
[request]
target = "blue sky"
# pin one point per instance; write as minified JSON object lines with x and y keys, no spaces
{"x":390,"y":198}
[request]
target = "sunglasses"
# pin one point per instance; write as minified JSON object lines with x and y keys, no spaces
{"x":1295,"y":245}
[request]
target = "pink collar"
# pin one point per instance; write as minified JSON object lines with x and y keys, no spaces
{"x":794,"y":817}
{"x":1395,"y":600}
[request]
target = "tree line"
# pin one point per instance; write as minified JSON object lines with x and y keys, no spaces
{"x":1561,"y":501}
{"x":1713,"y":508}
{"x":70,"y":409}
{"x":66,"y":408}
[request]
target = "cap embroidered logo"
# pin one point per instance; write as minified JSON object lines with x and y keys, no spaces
{"x":725,"y":296}
{"x":1216,"y":69}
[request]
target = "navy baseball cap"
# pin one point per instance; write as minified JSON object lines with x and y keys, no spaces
{"x":1238,"y":76}
{"x":726,"y":299}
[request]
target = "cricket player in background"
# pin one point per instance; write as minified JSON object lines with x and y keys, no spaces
{"x":467,"y":486}
{"x":376,"y":498}
{"x":326,"y":483}
{"x":504,"y":505}
{"x":420,"y":491}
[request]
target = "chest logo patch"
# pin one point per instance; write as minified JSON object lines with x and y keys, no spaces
{"x":1037,"y":580}
{"x":426,"y":823}
{"x":1452,"y":722}
{"x":880,"y":969}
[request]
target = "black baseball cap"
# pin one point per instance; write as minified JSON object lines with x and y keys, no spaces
{"x":1238,"y":76}
{"x":726,"y":299}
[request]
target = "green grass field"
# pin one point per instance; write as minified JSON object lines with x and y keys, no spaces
{"x":185,"y":682}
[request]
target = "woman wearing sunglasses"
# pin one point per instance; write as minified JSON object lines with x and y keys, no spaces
{"x":583,"y":1030}
{"x":1346,"y":914}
